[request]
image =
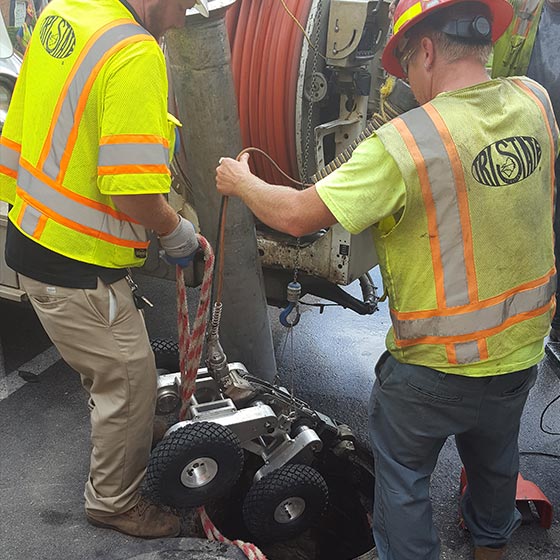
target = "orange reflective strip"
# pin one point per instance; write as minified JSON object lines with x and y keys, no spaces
{"x":527,"y":20}
{"x":429,"y":205}
{"x":48,"y":141}
{"x":21,"y":211}
{"x":408,"y":315}
{"x":485,"y":333}
{"x":10,"y":144}
{"x":72,"y":137}
{"x":75,"y":196}
{"x":9,"y":172}
{"x":542,"y":109}
{"x":40,"y":227}
{"x":462,"y":199}
{"x":451,"y":354}
{"x":482,"y":349}
{"x":132,"y":169}
{"x":134,"y":139}
{"x":76,"y":226}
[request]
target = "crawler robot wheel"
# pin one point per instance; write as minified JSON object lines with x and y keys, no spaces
{"x":166,"y":353}
{"x":194,"y":464}
{"x":285,"y":503}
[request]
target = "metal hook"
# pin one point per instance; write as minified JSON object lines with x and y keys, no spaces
{"x":287,"y":310}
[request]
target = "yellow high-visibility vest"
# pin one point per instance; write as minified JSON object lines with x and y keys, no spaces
{"x":512,"y":51}
{"x":469,"y":268}
{"x":87,"y":120}
{"x":27,"y":30}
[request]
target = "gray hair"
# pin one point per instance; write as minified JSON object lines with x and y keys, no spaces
{"x":453,"y":49}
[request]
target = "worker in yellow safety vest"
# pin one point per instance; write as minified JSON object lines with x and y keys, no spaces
{"x":458,"y":196}
{"x":84,"y":164}
{"x":23,"y":34}
{"x":530,"y":48}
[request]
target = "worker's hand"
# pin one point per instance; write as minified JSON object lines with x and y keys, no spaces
{"x":181,"y":244}
{"x":232,"y":174}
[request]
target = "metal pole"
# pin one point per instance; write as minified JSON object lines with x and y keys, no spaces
{"x":199,"y":63}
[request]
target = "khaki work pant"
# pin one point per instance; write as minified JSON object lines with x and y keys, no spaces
{"x":101,"y":334}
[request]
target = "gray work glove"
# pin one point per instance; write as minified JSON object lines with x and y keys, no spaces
{"x":181,"y":244}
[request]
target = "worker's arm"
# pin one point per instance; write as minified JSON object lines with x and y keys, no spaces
{"x":177,"y":236}
{"x":150,"y":210}
{"x":296,"y":212}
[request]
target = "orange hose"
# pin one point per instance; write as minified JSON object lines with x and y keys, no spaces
{"x":237,"y":51}
{"x":247,"y":43}
{"x":254,"y":132}
{"x":232,"y":16}
{"x":266,"y":49}
{"x":275,"y":93}
{"x":292,"y":75}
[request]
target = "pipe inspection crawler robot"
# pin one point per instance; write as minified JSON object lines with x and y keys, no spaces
{"x":237,"y":424}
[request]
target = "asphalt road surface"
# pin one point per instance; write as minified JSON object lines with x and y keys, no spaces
{"x":328,"y":359}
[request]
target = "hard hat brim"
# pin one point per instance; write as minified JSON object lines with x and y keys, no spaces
{"x":501,"y":12}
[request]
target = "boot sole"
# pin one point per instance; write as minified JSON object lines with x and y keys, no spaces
{"x":103,"y":525}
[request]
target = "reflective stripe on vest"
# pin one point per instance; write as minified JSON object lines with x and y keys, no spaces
{"x":9,"y":157}
{"x":57,"y":149}
{"x":461,"y":321}
{"x":42,"y":187}
{"x":545,"y":106}
{"x":134,"y":154}
{"x":75,"y":211}
{"x":457,"y":323}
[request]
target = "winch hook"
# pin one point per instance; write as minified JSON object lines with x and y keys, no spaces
{"x":293,"y":295}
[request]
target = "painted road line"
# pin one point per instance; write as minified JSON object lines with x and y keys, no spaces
{"x":11,"y":382}
{"x":2,"y":370}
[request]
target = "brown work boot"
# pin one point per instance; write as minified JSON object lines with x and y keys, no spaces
{"x":144,"y":520}
{"x":486,"y":553}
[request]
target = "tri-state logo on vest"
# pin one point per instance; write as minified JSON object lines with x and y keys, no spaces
{"x":507,"y":161}
{"x":57,"y":37}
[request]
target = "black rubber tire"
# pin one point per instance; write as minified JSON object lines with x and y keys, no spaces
{"x":166,"y":353}
{"x":183,"y":446}
{"x":264,"y":497}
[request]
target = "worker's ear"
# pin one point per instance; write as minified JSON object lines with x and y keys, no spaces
{"x":428,"y":52}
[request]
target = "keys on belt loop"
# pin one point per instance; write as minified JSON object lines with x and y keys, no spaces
{"x":140,"y":300}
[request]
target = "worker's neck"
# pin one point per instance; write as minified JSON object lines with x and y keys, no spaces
{"x":132,"y":7}
{"x":143,"y":12}
{"x":457,"y":75}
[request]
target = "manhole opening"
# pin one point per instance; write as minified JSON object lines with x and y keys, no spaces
{"x":342,"y":533}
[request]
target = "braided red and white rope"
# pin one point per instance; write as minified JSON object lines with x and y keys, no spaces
{"x":190,"y":352}
{"x":213,"y":534}
{"x":191,"y":343}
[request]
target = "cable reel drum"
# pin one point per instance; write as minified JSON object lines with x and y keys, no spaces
{"x":308,"y":79}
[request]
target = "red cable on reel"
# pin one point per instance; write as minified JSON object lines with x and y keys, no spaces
{"x":266,"y":49}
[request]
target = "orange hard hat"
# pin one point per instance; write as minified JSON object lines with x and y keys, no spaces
{"x":410,"y":12}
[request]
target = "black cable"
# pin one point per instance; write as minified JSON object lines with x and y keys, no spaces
{"x":543,"y":429}
{"x":540,"y":454}
{"x":309,"y":304}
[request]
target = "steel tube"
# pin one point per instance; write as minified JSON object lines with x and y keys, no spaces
{"x":199,"y":63}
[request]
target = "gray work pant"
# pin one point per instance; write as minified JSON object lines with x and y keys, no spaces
{"x":413,"y":410}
